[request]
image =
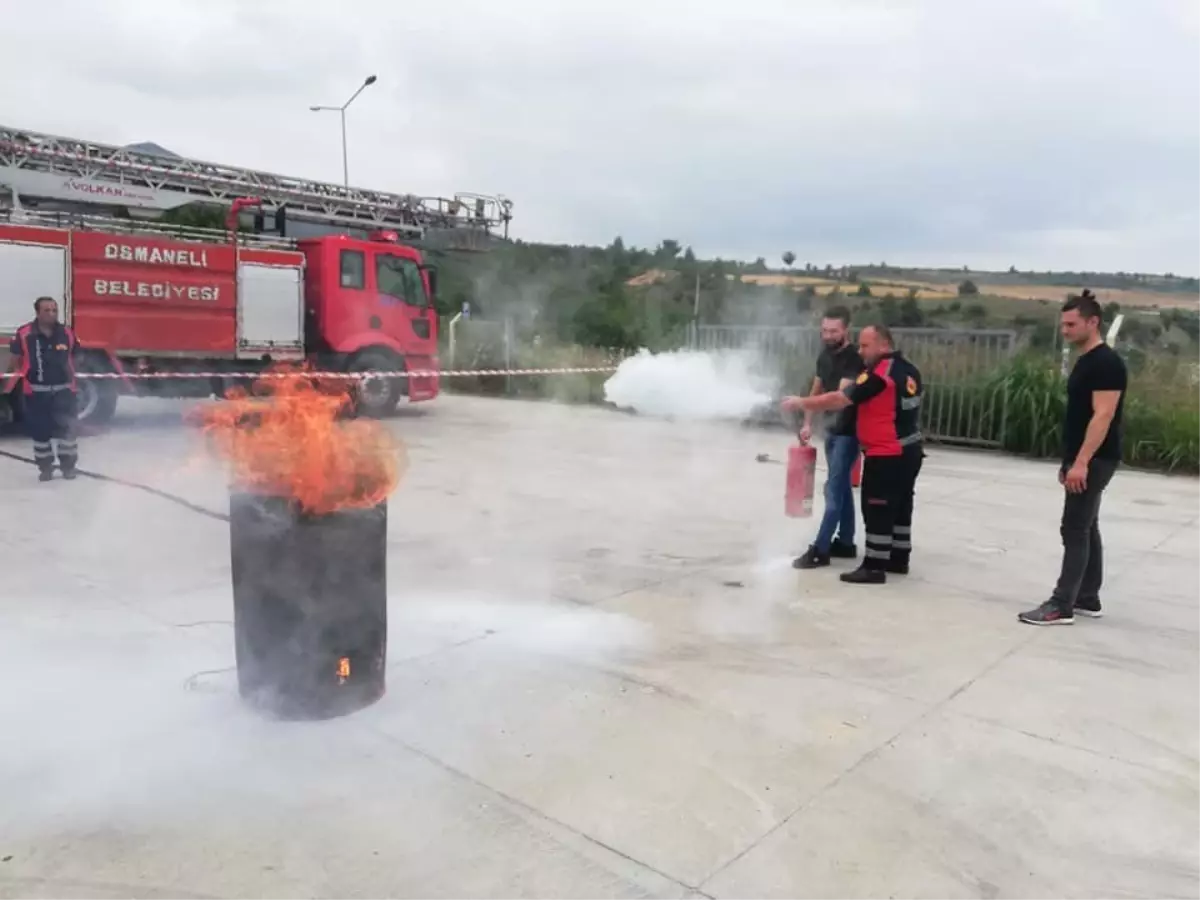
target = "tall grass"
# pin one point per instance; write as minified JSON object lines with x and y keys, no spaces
{"x":483,"y":348}
{"x":1161,"y":414}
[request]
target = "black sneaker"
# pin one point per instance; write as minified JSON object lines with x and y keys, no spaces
{"x":897,"y":568}
{"x":839,"y":549}
{"x":1089,"y":607}
{"x":1049,"y":613}
{"x":46,"y":475}
{"x":812,"y":559}
{"x":863,"y":575}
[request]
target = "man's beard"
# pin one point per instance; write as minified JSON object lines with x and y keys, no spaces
{"x":833,"y":345}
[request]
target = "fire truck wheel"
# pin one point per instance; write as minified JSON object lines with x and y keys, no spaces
{"x":96,"y":400}
{"x":377,"y":397}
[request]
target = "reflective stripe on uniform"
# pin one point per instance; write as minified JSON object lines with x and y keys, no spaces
{"x":879,"y":546}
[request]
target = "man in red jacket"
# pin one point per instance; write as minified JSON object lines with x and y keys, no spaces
{"x":887,"y":397}
{"x":44,"y":356}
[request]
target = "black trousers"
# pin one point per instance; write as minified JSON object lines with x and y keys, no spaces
{"x":51,"y":415}
{"x":888,"y":486}
{"x":1083,"y":552}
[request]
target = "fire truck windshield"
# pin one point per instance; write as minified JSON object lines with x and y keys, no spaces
{"x":398,"y":277}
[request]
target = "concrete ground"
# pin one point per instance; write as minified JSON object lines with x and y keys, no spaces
{"x":604,"y":680}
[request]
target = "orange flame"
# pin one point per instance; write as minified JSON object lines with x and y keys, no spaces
{"x":284,"y":438}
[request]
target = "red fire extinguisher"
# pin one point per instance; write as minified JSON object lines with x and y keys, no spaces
{"x":801,"y":477}
{"x":856,"y":472}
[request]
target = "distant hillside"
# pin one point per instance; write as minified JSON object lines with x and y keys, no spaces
{"x":620,"y":296}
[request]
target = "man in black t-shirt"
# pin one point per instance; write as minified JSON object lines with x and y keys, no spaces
{"x":1091,"y":454}
{"x":837,"y":366}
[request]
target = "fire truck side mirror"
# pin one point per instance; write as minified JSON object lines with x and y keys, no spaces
{"x":431,"y":273}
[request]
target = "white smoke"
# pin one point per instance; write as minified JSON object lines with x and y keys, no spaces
{"x":686,"y":384}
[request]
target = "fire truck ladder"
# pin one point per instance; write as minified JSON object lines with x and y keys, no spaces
{"x":304,"y":200}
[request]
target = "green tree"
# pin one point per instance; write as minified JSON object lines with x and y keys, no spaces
{"x":864,"y":290}
{"x":911,"y":314}
{"x":788,"y":258}
{"x":967,"y":288}
{"x":668,"y":250}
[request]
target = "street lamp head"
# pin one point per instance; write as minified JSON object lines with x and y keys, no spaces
{"x":315,"y":108}
{"x":370,"y":80}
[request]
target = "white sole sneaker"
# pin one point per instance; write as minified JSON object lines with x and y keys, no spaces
{"x":1046,"y":622}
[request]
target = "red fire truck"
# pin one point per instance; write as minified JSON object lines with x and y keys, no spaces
{"x":146,"y":298}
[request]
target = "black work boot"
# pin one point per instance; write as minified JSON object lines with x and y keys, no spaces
{"x":1049,"y":613}
{"x":811,"y":559}
{"x":839,"y":549}
{"x":69,"y":473}
{"x":863,"y":575}
{"x":45,"y":473}
{"x":897,"y":565}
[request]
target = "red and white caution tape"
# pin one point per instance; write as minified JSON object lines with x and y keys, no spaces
{"x":350,"y":376}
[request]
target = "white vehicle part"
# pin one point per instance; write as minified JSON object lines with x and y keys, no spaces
{"x":29,"y":271}
{"x":270,"y":310}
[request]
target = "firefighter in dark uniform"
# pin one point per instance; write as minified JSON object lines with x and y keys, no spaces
{"x":44,"y":353}
{"x":887,"y":398}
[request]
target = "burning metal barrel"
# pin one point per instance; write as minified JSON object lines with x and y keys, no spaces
{"x":308,"y":545}
{"x":309,"y":606}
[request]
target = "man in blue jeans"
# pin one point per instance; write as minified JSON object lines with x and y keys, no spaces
{"x":838,"y":365}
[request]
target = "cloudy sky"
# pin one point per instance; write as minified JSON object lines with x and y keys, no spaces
{"x":1036,"y":133}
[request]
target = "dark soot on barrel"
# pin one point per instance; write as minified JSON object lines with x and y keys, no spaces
{"x":310,"y":606}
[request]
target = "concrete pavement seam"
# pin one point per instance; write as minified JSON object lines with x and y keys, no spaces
{"x":1068,"y":745}
{"x":532,"y":810}
{"x":1170,"y":537}
{"x":867,"y":757}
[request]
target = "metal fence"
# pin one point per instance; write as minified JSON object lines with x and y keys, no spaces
{"x":966,"y":402}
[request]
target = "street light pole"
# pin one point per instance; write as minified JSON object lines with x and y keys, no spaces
{"x":370,"y":80}
{"x":345,"y":155}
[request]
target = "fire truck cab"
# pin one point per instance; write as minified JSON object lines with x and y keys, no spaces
{"x":369,"y":306}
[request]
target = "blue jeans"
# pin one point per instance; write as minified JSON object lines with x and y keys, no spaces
{"x":840,"y":452}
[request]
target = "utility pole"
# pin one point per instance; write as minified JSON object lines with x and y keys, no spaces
{"x":341,"y":110}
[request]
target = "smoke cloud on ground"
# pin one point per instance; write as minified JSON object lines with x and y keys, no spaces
{"x":687,"y":384}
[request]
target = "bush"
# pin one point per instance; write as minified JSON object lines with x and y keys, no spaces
{"x":1161,"y":415}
